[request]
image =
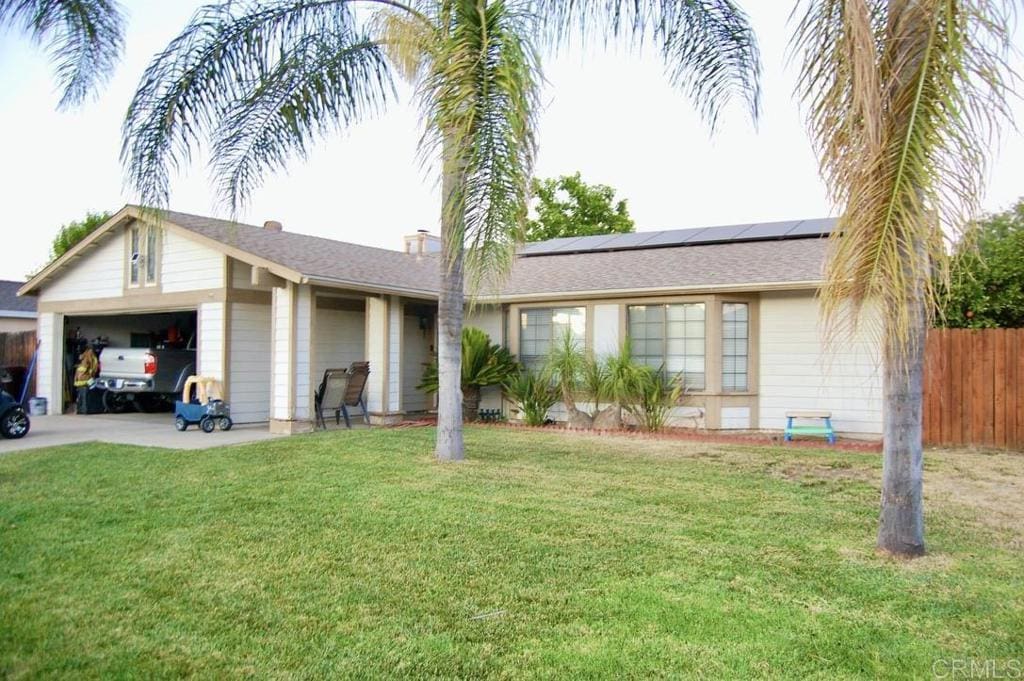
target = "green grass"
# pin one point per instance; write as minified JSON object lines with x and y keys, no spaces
{"x":545,"y":555}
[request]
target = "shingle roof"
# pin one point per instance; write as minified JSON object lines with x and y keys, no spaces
{"x":713,"y":265}
{"x":320,"y":258}
{"x":11,"y":302}
{"x":744,"y":263}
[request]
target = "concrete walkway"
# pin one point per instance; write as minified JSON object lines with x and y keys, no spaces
{"x":147,"y":430}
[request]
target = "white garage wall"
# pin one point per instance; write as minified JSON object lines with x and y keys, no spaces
{"x":210,"y":354}
{"x":797,"y":372}
{"x":50,"y":360}
{"x":249,"y":362}
{"x":98,"y":274}
{"x":189,"y":266}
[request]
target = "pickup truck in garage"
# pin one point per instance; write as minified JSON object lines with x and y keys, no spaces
{"x":145,"y":378}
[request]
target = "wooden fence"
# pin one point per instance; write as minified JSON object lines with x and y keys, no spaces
{"x":972,"y":387}
{"x":16,"y":352}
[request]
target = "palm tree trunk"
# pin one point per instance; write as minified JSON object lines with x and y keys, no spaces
{"x":901,"y":525}
{"x":449,"y":445}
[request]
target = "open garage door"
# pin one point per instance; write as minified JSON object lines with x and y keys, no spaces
{"x":162,"y":344}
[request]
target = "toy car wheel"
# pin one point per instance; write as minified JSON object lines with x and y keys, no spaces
{"x":225,"y":423}
{"x":180,"y":423}
{"x":14,"y":424}
{"x":207,"y":424}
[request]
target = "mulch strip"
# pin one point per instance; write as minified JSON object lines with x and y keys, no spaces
{"x":759,"y":439}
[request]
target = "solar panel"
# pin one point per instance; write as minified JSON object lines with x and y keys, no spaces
{"x":818,"y":227}
{"x":767,"y":230}
{"x":723,"y":233}
{"x":673,"y":237}
{"x":629,"y":240}
{"x":792,"y":229}
{"x":548,"y":246}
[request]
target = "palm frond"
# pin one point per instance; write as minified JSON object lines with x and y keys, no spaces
{"x":258,"y":79}
{"x":84,"y":39}
{"x":902,"y":99}
{"x":480,"y":102}
{"x":708,"y":46}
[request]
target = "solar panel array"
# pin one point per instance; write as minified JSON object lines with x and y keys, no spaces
{"x":761,"y":231}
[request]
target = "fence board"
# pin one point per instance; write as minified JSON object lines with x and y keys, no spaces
{"x":973,"y":393}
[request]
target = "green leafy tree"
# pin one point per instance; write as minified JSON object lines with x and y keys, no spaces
{"x":84,"y":39}
{"x":986,"y":283}
{"x":585,"y":210}
{"x":73,"y":232}
{"x":263,"y":81}
{"x":901,"y":96}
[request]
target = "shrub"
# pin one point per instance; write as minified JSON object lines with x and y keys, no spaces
{"x":652,"y":394}
{"x":534,"y":394}
{"x":483,"y":363}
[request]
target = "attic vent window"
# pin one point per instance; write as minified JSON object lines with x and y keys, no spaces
{"x":143,"y":248}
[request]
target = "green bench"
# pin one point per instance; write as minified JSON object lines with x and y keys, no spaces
{"x":823,"y":428}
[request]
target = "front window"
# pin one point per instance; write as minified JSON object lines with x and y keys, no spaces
{"x":735,"y":346}
{"x":670,"y":338}
{"x":539,"y":327}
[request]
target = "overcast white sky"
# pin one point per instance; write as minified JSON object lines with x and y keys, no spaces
{"x":610,"y":115}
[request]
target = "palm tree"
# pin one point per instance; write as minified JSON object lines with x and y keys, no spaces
{"x":902,"y":99}
{"x":262,"y":81}
{"x":84,"y":39}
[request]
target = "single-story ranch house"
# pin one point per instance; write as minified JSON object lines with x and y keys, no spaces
{"x":733,"y":308}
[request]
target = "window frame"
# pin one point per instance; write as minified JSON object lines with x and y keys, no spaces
{"x":663,"y":307}
{"x":144,"y":274}
{"x":747,"y":356}
{"x":531,"y":361}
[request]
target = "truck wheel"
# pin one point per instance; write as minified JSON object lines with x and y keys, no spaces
{"x":225,"y":423}
{"x":207,"y":424}
{"x":14,"y":424}
{"x":117,"y":403}
{"x":180,"y":423}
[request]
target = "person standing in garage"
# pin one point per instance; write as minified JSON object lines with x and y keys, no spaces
{"x":86,"y":371}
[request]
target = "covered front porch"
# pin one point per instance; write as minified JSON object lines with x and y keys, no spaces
{"x":315,"y":328}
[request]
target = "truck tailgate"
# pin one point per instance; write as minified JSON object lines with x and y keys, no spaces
{"x":123,"y":363}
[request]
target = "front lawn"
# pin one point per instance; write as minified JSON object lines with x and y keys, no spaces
{"x":354,"y":554}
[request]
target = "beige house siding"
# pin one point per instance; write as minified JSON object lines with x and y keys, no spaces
{"x":211,"y":338}
{"x":189,"y":266}
{"x":99,"y":273}
{"x":340,"y":339}
{"x":491,"y":319}
{"x":49,"y":367}
{"x":249,"y":353}
{"x":797,"y":372}
{"x":17,"y":324}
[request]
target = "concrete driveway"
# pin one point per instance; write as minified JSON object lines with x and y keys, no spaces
{"x":146,"y":430}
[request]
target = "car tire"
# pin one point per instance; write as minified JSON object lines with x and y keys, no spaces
{"x":207,"y":424}
{"x":180,"y":423}
{"x":14,"y":424}
{"x":118,"y":403}
{"x":225,"y":423}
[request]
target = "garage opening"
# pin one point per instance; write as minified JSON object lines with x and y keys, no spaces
{"x":143,"y":359}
